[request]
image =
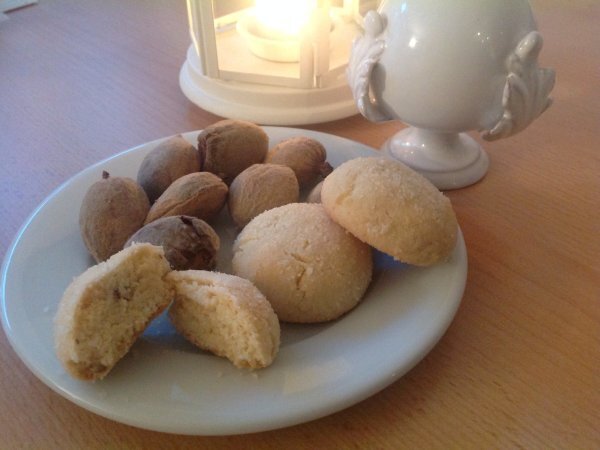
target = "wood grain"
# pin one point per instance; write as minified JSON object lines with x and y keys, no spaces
{"x":518,"y":368}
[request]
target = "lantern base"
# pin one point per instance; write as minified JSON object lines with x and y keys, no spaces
{"x":263,"y":104}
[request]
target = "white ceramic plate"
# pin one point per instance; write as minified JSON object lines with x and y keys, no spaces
{"x":165,"y":384}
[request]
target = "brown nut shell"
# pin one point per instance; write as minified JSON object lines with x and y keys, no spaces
{"x":168,"y":161}
{"x":259,"y":188}
{"x":112,"y":210}
{"x":228,"y":147}
{"x":305,"y":156}
{"x":188,"y":242}
{"x":199,"y":194}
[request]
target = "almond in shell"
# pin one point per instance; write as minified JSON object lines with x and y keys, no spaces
{"x":200,"y":194}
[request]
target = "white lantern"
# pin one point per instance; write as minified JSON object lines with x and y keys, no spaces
{"x":275,"y":62}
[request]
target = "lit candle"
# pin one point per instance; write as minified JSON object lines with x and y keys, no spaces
{"x":283,"y":19}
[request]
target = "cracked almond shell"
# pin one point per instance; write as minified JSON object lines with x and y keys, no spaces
{"x":188,"y":242}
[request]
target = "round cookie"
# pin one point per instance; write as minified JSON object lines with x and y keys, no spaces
{"x":392,"y":208}
{"x":309,"y":268}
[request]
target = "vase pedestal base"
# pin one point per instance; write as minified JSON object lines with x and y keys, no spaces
{"x":448,"y":160}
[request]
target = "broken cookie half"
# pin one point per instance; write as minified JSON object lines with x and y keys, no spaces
{"x":225,"y":315}
{"x":106,"y":308}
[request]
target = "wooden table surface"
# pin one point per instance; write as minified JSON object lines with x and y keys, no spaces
{"x":520,"y":365}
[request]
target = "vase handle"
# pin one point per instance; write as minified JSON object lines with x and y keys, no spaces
{"x":526,"y":91}
{"x":365,"y":54}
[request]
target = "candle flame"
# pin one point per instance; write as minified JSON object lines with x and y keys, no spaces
{"x":284,"y":19}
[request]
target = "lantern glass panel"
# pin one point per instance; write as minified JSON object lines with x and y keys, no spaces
{"x":235,"y":59}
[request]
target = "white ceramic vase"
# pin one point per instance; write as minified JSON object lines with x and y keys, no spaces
{"x":446,"y":68}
